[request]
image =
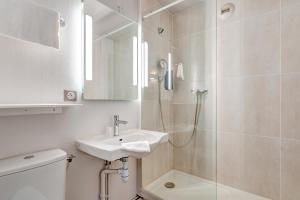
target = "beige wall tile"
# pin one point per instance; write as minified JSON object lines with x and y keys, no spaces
{"x":229,"y":159}
{"x":199,"y":156}
{"x":290,"y":183}
{"x":206,"y":149}
{"x":290,"y":39}
{"x":260,"y":172}
{"x":182,"y":91}
{"x":261,"y":106}
{"x":197,"y":53}
{"x":150,"y":116}
{"x":291,"y":106}
{"x":151,"y":92}
{"x":285,"y":3}
{"x":256,"y":7}
{"x":184,"y":116}
{"x":260,"y":45}
{"x":230,"y":109}
{"x":189,"y":21}
{"x":184,"y":157}
{"x":208,"y":107}
{"x":191,"y":52}
{"x":229,"y":46}
{"x":157,"y":163}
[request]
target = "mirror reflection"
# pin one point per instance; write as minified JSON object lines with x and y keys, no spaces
{"x":110,"y":54}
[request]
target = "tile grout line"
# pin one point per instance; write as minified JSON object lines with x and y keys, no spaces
{"x":280,"y":100}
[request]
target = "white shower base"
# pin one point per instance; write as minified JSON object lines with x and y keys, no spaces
{"x":189,"y":187}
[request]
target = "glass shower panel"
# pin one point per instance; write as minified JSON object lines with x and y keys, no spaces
{"x":257,"y":42}
{"x":180,"y":98}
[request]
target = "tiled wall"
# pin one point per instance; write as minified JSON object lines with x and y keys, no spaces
{"x":259,"y":98}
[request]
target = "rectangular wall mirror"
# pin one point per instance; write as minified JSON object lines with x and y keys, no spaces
{"x":110,"y":54}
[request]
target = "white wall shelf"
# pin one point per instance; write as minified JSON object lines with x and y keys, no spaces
{"x":50,"y":105}
{"x":34,"y":109}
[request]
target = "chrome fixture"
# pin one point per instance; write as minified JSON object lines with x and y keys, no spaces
{"x":199,"y":92}
{"x":70,"y":159}
{"x":227,"y":11}
{"x":62,"y":22}
{"x":166,"y":73}
{"x":163,"y":67}
{"x":117,"y":122}
{"x":160,"y":30}
{"x":104,"y":177}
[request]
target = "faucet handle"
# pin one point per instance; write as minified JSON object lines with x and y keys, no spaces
{"x":123,"y":122}
{"x":117,"y":120}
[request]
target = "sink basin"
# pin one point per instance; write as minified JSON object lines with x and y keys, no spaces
{"x":110,"y":148}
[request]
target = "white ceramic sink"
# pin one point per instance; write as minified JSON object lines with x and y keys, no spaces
{"x":109,"y":148}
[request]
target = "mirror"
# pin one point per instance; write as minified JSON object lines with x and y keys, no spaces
{"x":110,"y":53}
{"x":28,"y":21}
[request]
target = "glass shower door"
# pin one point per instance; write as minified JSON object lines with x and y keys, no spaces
{"x":179,"y":97}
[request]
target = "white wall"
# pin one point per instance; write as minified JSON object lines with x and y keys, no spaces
{"x":48,"y":72}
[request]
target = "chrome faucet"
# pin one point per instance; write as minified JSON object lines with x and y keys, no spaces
{"x":117,"y":121}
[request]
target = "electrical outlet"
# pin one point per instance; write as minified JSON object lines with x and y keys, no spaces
{"x":70,"y":95}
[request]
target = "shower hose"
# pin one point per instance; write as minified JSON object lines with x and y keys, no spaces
{"x":196,"y":118}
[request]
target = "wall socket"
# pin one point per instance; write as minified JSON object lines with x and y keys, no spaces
{"x":70,"y":95}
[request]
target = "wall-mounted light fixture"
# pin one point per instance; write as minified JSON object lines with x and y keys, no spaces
{"x":169,"y":76}
{"x":135,"y":60}
{"x":145,"y":65}
{"x":88,"y":48}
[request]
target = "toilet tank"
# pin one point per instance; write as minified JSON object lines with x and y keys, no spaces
{"x":36,"y":176}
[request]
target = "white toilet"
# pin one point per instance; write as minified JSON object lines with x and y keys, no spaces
{"x":36,"y":176}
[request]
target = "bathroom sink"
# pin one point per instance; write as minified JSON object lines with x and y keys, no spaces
{"x":110,"y":147}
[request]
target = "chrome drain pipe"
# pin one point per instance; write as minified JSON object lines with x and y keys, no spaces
{"x":104,"y":177}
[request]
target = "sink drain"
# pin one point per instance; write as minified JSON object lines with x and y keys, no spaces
{"x":169,"y":185}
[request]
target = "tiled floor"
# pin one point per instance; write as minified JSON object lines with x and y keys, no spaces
{"x":189,"y":187}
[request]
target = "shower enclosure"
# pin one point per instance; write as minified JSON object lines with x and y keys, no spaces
{"x":179,"y":97}
{"x":222,"y":78}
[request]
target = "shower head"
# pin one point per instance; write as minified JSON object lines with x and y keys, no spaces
{"x":160,"y":30}
{"x":162,"y":67}
{"x":162,"y":64}
{"x":165,"y":74}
